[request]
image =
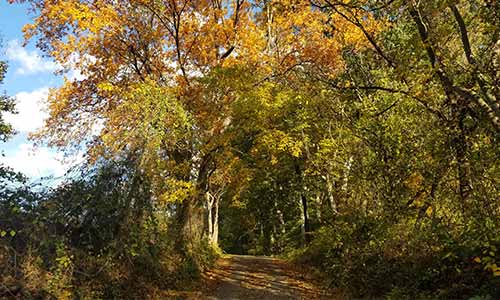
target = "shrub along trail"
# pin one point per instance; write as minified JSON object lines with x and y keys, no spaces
{"x":253,"y":277}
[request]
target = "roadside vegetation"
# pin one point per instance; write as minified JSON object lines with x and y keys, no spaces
{"x":358,"y":138}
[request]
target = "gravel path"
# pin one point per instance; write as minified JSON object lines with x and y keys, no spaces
{"x":264,"y":278}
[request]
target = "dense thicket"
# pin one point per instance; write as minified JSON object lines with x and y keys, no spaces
{"x":99,"y":236}
{"x":360,"y":137}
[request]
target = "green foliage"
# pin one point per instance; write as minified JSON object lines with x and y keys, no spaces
{"x":6,"y":105}
{"x":98,"y":236}
{"x":367,"y":258}
{"x":375,"y":159}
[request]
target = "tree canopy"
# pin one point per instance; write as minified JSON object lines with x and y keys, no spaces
{"x":360,"y":137}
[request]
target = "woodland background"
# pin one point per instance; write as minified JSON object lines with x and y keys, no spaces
{"x":358,"y":137}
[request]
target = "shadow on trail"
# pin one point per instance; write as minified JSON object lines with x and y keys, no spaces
{"x":250,"y":277}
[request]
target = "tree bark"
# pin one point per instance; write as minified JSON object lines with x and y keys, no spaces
{"x":304,"y":208}
{"x":461,"y":149}
{"x":215,"y":232}
{"x":319,"y":205}
{"x":331,"y":198}
{"x":307,"y":225}
{"x":192,"y":225}
{"x":210,"y":201}
{"x":192,"y":217}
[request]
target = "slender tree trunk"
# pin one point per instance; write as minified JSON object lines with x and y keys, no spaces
{"x":281,"y":221}
{"x":302,"y":223}
{"x":303,"y":199}
{"x":267,"y":235}
{"x":210,"y":201}
{"x":319,"y":205}
{"x":270,"y":38}
{"x":307,"y":226}
{"x":461,"y":149}
{"x":215,"y":238}
{"x":347,"y":172}
{"x":279,"y":227}
{"x":331,"y":198}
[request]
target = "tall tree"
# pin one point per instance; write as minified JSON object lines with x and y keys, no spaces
{"x":6,"y":105}
{"x":144,"y":63}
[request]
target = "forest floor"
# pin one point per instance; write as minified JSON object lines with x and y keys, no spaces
{"x":252,"y":277}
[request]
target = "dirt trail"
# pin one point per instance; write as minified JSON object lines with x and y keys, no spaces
{"x":264,"y":278}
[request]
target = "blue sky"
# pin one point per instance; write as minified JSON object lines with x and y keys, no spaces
{"x":29,"y":78}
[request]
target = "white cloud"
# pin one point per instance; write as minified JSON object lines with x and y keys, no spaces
{"x":31,"y":110}
{"x":76,"y":64}
{"x":75,"y":75}
{"x":40,"y":161}
{"x":30,"y":62}
{"x":33,"y":161}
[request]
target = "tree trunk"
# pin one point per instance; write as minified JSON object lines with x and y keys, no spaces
{"x":461,"y":149}
{"x":331,"y":198}
{"x":345,"y":177}
{"x":319,"y":205}
{"x":307,"y":225}
{"x":267,"y":232}
{"x":192,"y":217}
{"x":306,"y":229}
{"x":215,"y":232}
{"x":192,"y":224}
{"x":210,"y":200}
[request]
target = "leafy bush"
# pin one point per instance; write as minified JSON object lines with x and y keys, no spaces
{"x":102,"y":237}
{"x":368,"y":258}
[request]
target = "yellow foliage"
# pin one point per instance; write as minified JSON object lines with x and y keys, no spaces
{"x":177,"y":191}
{"x":429,"y":211}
